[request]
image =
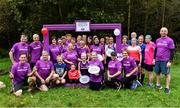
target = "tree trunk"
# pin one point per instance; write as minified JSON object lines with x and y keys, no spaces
{"x":146,"y":17}
{"x":60,"y":11}
{"x":129,"y":16}
{"x":163,"y":12}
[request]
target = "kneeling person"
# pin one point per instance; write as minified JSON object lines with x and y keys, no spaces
{"x":114,"y":72}
{"x":61,"y":70}
{"x":130,"y":71}
{"x":21,"y":75}
{"x":44,"y":71}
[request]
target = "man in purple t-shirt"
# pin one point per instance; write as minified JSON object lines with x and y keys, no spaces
{"x":21,"y":74}
{"x":19,"y":48}
{"x":44,"y":71}
{"x":163,"y":57}
{"x":35,"y":50}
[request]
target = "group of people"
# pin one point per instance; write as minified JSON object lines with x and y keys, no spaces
{"x":69,"y":58}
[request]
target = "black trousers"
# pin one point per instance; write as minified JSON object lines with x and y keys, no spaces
{"x":127,"y":81}
{"x":113,"y":83}
{"x":95,"y":85}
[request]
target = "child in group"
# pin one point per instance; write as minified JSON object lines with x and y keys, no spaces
{"x":73,"y":74}
{"x":61,"y":70}
{"x":83,"y":65}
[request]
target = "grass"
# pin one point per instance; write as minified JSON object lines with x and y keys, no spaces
{"x":83,"y":97}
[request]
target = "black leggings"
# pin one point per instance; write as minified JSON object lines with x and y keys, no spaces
{"x":127,"y":81}
{"x":113,"y":83}
{"x":95,"y":86}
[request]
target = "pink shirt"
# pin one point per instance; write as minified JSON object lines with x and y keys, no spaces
{"x":149,"y":53}
{"x":134,"y":52}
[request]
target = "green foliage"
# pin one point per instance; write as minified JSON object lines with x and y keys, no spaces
{"x":28,"y":16}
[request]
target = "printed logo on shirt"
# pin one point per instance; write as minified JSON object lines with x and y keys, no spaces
{"x":22,"y":69}
{"x":163,"y":43}
{"x":60,"y":71}
{"x":37,"y":47}
{"x":96,"y":49}
{"x":113,"y":65}
{"x":126,"y":63}
{"x":54,"y":49}
{"x":23,"y":49}
{"x":71,"y":56}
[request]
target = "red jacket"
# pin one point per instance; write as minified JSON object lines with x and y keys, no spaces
{"x":73,"y":74}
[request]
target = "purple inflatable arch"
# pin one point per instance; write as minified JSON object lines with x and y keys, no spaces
{"x":111,"y":26}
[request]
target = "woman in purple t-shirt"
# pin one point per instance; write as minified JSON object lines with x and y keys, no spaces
{"x":114,"y":72}
{"x":89,"y":41}
{"x":96,"y":47}
{"x":54,"y":50}
{"x":96,"y":79}
{"x":110,"y":46}
{"x":130,"y":70}
{"x":83,"y":48}
{"x":79,"y":38}
{"x":124,"y":44}
{"x":70,"y":56}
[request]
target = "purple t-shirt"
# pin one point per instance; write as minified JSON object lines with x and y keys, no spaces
{"x":20,"y":72}
{"x":18,"y":49}
{"x":163,"y":45}
{"x":71,"y":56}
{"x":102,"y":46}
{"x":77,"y":45}
{"x":54,"y":52}
{"x":64,"y":48}
{"x":82,"y":50}
{"x":93,"y":77}
{"x":68,"y":42}
{"x":44,"y":68}
{"x":124,"y":46}
{"x":96,"y":49}
{"x":35,"y":51}
{"x":114,"y":66}
{"x":129,"y":64}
